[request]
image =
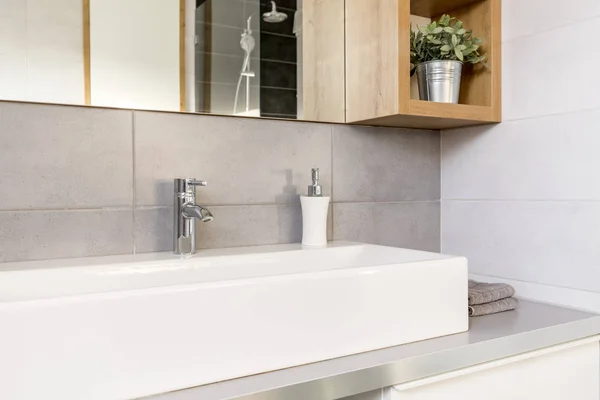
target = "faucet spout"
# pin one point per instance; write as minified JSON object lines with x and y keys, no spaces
{"x":185,"y":214}
{"x":197,"y":211}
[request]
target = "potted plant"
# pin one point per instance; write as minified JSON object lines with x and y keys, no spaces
{"x":437,"y":54}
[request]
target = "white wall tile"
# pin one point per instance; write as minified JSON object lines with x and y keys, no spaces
{"x":552,"y":243}
{"x":13,"y":34}
{"x":136,"y":58}
{"x":521,"y":200}
{"x":55,"y":63}
{"x":48,"y":35}
{"x":65,"y":42}
{"x":13,"y":9}
{"x":13,"y":79}
{"x":551,"y":73}
{"x":51,"y":81}
{"x":571,"y":298}
{"x":13,"y":49}
{"x":553,"y":157}
{"x":55,"y":12}
{"x":529,"y":17}
{"x":13,"y":56}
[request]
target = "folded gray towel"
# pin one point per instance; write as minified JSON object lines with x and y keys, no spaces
{"x":481,"y":293}
{"x":494,"y":307}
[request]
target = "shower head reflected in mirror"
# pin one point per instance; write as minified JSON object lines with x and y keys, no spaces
{"x":274,"y":16}
{"x":247,"y":44}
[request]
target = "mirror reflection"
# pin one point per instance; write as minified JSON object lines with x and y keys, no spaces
{"x":248,"y":58}
{"x":276,"y":59}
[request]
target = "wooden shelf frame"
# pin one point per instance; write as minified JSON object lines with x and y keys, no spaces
{"x":435,"y":8}
{"x":378,"y":65}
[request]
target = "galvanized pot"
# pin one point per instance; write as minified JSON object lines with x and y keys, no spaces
{"x":439,"y":81}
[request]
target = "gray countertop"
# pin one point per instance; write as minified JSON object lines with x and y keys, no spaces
{"x":531,"y":327}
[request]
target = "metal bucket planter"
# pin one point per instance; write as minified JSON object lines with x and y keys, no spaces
{"x":439,"y":81}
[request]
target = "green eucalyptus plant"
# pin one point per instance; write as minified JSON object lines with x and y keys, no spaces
{"x":445,"y":39}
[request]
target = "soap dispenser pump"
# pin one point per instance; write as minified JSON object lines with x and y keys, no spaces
{"x":314,"y":214}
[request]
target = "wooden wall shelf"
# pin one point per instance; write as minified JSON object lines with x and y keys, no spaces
{"x":435,"y":8}
{"x":378,"y":65}
{"x":430,"y":115}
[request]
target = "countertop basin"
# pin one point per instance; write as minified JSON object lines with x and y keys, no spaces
{"x":124,"y":327}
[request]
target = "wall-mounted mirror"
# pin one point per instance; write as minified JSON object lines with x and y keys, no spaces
{"x":233,"y":57}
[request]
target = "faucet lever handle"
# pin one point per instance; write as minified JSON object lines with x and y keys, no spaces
{"x":185,"y":185}
{"x":195,"y":182}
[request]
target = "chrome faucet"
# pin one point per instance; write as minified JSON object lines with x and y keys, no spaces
{"x":186,"y":211}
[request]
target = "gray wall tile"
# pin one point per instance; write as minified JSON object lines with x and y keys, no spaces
{"x":413,"y":225}
{"x":549,"y":242}
{"x":233,"y":226}
{"x":153,"y":229}
{"x":245,"y":161}
{"x":378,"y":394}
{"x":38,"y":235}
{"x":64,"y":157}
{"x":384,"y":164}
{"x":81,"y":160}
{"x":251,"y":226}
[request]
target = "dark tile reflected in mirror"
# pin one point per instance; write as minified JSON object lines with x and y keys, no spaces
{"x":246,"y":57}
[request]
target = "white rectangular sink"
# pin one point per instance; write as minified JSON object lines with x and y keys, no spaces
{"x":123,"y":328}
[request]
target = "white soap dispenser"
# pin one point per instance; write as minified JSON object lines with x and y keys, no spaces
{"x":314,"y":214}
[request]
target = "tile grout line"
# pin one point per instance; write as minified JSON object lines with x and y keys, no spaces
{"x":555,"y":28}
{"x":331,"y":200}
{"x":279,"y":88}
{"x":388,"y":202}
{"x":278,"y":34}
{"x":541,"y":116}
{"x":441,"y":185}
{"x":67,"y":209}
{"x":151,"y":207}
{"x":133,"y":180}
{"x":484,"y":200}
{"x":539,"y":283}
{"x":566,"y":297}
{"x":345,"y":69}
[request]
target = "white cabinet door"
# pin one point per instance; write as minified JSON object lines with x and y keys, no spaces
{"x":570,"y":373}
